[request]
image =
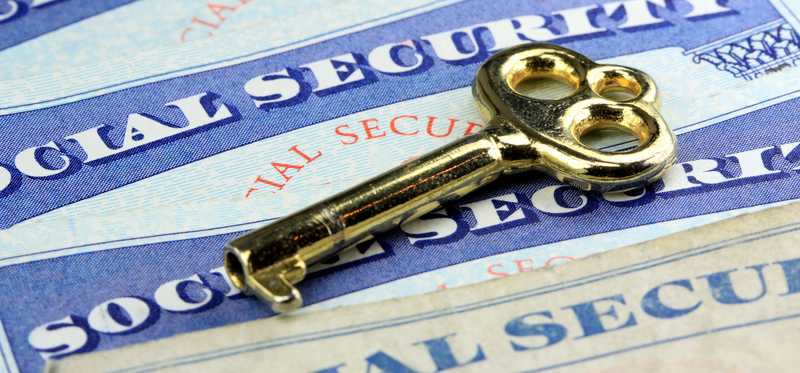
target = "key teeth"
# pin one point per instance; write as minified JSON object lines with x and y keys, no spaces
{"x":277,"y":291}
{"x":288,"y":303}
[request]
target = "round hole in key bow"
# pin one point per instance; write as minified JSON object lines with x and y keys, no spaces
{"x":610,"y":138}
{"x":611,"y":127}
{"x":543,"y":74}
{"x":545,"y":88}
{"x":615,"y":83}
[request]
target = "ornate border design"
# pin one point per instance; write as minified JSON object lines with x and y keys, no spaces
{"x":753,"y":53}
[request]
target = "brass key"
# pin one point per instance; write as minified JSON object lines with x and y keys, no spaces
{"x":521,"y":134}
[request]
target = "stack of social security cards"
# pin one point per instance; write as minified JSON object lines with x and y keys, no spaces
{"x":137,"y":137}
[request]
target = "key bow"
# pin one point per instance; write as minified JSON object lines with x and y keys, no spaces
{"x":556,"y":127}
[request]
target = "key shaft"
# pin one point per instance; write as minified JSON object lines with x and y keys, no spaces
{"x":268,"y":261}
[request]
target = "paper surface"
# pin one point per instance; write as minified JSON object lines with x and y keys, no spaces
{"x":129,"y":156}
{"x":723,"y":297}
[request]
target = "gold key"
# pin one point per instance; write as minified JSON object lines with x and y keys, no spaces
{"x":522,"y":134}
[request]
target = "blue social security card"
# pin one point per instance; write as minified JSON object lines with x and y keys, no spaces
{"x":137,"y":138}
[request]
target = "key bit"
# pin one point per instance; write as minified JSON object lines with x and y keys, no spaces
{"x":522,"y":134}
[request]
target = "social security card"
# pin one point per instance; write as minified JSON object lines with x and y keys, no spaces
{"x":136,"y":138}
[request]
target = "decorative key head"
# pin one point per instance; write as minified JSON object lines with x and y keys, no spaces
{"x":553,"y":129}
